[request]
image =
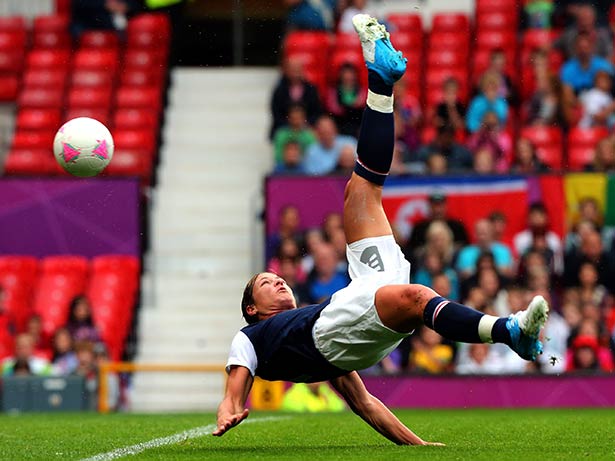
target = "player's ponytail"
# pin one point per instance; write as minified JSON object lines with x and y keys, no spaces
{"x":248,"y":300}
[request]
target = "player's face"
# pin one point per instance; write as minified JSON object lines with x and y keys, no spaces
{"x":271,"y":296}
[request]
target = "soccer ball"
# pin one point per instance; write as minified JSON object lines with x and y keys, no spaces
{"x":83,"y":147}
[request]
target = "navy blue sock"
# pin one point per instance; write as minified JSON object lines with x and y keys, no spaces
{"x":377,"y":85}
{"x":460,"y":323}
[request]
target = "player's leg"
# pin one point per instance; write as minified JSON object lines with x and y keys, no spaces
{"x":404,"y":308}
{"x":363,"y":213}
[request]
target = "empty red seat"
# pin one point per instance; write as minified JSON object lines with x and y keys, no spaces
{"x":586,"y":137}
{"x":31,"y":162}
{"x":405,"y":22}
{"x":12,"y":39}
{"x":491,"y":39}
{"x":96,"y":59}
{"x":45,"y":78}
{"x":481,"y":59}
{"x":538,"y":38}
{"x":344,"y":41}
{"x":99,"y":39}
{"x":143,"y":139}
{"x":91,"y":78}
{"x":17,"y":279}
{"x":130,"y":163}
{"x":72,"y":265}
{"x":90,"y":97}
{"x":9,"y":87}
{"x":484,"y":6}
{"x":98,"y":113}
{"x":33,"y":139}
{"x":41,"y":98}
{"x":450,"y":22}
{"x":317,"y":42}
{"x":51,"y":59}
{"x":36,"y":119}
{"x":11,"y":62}
{"x":142,"y":77}
{"x":125,"y":264}
{"x":446,"y":58}
{"x":52,"y":39}
{"x":309,"y":61}
{"x":158,"y":22}
{"x":496,"y":20}
{"x":51,"y":23}
{"x":459,"y":41}
{"x":135,"y":119}
{"x":144,"y":59}
{"x":579,"y":156}
{"x":139,"y":97}
{"x":352,"y":57}
{"x":147,"y":39}
{"x":435,"y":78}
{"x":407,"y":42}
{"x":12,"y":23}
{"x":548,"y":141}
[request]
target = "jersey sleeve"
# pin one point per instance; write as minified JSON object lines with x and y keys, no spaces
{"x":242,"y":353}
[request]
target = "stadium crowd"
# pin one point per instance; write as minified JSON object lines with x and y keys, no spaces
{"x":484,"y":132}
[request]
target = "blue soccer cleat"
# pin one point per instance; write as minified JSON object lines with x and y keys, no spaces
{"x":524,"y":328}
{"x":378,"y":52}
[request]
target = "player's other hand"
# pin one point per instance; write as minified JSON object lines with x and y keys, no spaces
{"x":229,"y":421}
{"x":434,"y":444}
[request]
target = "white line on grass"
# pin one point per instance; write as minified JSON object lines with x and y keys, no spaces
{"x":169,"y":440}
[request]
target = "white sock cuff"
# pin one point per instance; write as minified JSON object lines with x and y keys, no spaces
{"x":485,"y":325}
{"x":379,"y":102}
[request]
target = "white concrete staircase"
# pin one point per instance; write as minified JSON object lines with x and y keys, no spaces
{"x":205,"y":236}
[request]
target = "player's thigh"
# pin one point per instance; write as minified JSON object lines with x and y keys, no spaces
{"x":401,"y":307}
{"x":363,"y":212}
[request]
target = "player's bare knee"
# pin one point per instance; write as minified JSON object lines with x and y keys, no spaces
{"x":415,"y":297}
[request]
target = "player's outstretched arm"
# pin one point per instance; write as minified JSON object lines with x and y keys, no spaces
{"x":232,"y":410}
{"x":374,"y":412}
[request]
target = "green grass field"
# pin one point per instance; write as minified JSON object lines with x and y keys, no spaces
{"x":469,"y":434}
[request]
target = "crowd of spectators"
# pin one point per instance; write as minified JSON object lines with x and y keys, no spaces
{"x":75,"y":349}
{"x":317,"y":135}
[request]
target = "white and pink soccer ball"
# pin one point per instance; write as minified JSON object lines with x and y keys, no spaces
{"x":83,"y":147}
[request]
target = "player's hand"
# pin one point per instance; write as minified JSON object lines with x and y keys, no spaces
{"x":227,"y":422}
{"x":434,"y":444}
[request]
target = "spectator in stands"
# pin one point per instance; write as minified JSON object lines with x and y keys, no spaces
{"x":451,"y":111}
{"x":354,"y":7}
{"x":599,"y":38}
{"x":64,"y":361}
{"x":311,"y":14}
{"x":429,"y":354}
{"x":591,"y":250}
{"x":287,"y":250}
{"x":537,"y":14}
{"x":86,"y":368}
{"x":101,"y":15}
{"x":332,"y":223}
{"x":492,"y":138}
{"x":597,"y":103}
{"x":488,"y":100}
{"x":604,"y":157}
{"x":24,"y":354}
{"x":346,"y":100}
{"x":525,"y":160}
{"x":538,"y":227}
{"x":293,"y":88}
{"x":408,"y":118}
{"x":325,"y":279}
{"x":346,"y":161}
{"x":579,"y":72}
{"x":458,"y":157}
{"x":322,"y":156}
{"x":80,"y":323}
{"x":431,"y":265}
{"x":590,"y":290}
{"x":292,"y":160}
{"x":296,"y":130}
{"x":289,"y":222}
{"x":497,"y":67}
{"x":437,"y":212}
{"x":499,"y":223}
{"x":399,"y":165}
{"x":101,"y":357}
{"x":484,"y":162}
{"x":587,"y":354}
{"x":481,"y":360}
{"x":436,"y":164}
{"x":468,"y":256}
{"x":553,"y":103}
{"x":34,"y":328}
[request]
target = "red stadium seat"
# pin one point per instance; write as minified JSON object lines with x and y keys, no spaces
{"x":142,"y":77}
{"x":459,"y":41}
{"x":352,"y":57}
{"x":63,"y":7}
{"x":12,"y":23}
{"x":154,"y":22}
{"x":41,"y":98}
{"x":99,"y":39}
{"x":135,"y":119}
{"x":29,"y":162}
{"x":96,"y":97}
{"x":52,"y":40}
{"x":9,"y":87}
{"x":17,"y":278}
{"x":485,"y":6}
{"x":72,"y":265}
{"x":450,"y":22}
{"x":147,"y":39}
{"x":139,"y":98}
{"x":538,"y":38}
{"x":144,"y":59}
{"x":446,"y":58}
{"x":130,"y":163}
{"x":347,"y":41}
{"x":482,"y":58}
{"x":50,"y":59}
{"x":407,"y":42}
{"x":12,"y":39}
{"x":496,"y":20}
{"x":491,"y":39}
{"x":96,"y":59}
{"x":317,"y":42}
{"x":548,"y":141}
{"x":124,"y":264}
{"x":11,"y":62}
{"x":45,"y":78}
{"x":37,"y":119}
{"x":51,"y":23}
{"x":586,"y":137}
{"x":405,"y":22}
{"x":33,"y":139}
{"x":99,"y":113}
{"x":310,"y":61}
{"x":579,"y":156}
{"x":142,"y":140}
{"x":91,"y":78}
{"x":435,"y":78}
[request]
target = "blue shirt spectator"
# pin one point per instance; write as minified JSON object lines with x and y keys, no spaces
{"x":322,"y":156}
{"x":487,"y":101}
{"x":311,"y":14}
{"x":468,"y":256}
{"x":580,"y":71}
